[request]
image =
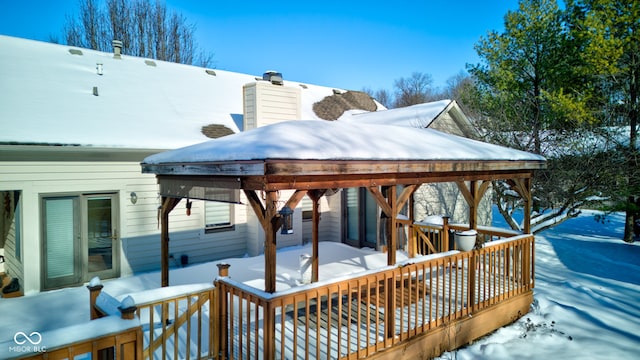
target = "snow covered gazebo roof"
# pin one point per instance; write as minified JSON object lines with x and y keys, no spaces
{"x":322,"y":148}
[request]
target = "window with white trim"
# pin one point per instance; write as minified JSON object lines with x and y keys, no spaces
{"x":218,"y":216}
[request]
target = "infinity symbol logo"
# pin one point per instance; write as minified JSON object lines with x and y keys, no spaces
{"x":34,"y":338}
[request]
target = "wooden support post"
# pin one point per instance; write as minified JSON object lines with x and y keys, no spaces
{"x":315,"y":220}
{"x":392,"y":232}
{"x":94,"y":291}
{"x":164,"y":249}
{"x":413,"y":240}
{"x":390,"y":291}
{"x":168,"y":204}
{"x":527,"y":205}
{"x":271,"y":217}
{"x":473,"y":209}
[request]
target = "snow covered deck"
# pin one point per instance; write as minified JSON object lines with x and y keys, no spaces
{"x":349,"y":317}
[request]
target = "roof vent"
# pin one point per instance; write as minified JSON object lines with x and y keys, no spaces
{"x":117,"y":49}
{"x":273,"y":76}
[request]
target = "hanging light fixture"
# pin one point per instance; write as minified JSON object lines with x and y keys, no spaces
{"x":189,"y":203}
{"x":287,"y":220}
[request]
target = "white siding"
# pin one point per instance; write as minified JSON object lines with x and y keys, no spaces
{"x":139,"y":230}
{"x":331,"y":219}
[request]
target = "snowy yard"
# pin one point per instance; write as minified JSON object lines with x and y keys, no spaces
{"x":586,"y":300}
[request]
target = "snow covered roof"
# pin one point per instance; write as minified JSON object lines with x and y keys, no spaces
{"x":54,"y":94}
{"x":337,"y":140}
{"x":420,"y":115}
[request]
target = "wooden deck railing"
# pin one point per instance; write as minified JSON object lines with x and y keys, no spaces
{"x":122,"y":345}
{"x":362,"y":315}
{"x":180,"y":326}
{"x":428,"y":239}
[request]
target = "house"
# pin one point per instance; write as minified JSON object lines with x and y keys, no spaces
{"x":76,"y":123}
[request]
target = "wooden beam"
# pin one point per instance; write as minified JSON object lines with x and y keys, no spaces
{"x":473,"y":195}
{"x":404,"y":197}
{"x":465,"y":191}
{"x":380,"y":200}
{"x":342,"y":181}
{"x":295,"y":198}
{"x":256,"y":205}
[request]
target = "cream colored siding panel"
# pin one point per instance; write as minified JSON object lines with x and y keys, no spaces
{"x":266,"y":103}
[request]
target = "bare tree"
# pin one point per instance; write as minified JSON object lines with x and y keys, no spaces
{"x":146,"y":28}
{"x":416,"y":89}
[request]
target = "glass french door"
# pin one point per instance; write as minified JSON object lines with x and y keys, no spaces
{"x":80,"y":239}
{"x":361,"y":229}
{"x":101,"y":235}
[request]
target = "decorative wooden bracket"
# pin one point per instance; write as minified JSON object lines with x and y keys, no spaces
{"x":473,"y":195}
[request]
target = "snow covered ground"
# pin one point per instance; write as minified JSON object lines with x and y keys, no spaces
{"x":586,"y":300}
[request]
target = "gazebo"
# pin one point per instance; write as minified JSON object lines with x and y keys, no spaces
{"x":312,"y":157}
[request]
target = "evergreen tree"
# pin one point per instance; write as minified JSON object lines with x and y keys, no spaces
{"x":531,"y":97}
{"x":609,"y":33}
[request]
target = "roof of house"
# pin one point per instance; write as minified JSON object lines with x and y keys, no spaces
{"x":61,"y":95}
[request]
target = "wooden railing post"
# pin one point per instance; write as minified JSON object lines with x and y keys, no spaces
{"x":220,"y":342}
{"x":413,"y":243}
{"x":128,"y":313}
{"x":444,"y":246}
{"x":223,"y":269}
{"x":472,"y":280}
{"x":94,"y":291}
{"x":269,"y":331}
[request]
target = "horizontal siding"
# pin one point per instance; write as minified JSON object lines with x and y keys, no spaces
{"x":331,"y":223}
{"x":139,"y":227}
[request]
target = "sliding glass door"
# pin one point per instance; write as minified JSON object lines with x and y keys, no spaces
{"x":61,"y":242}
{"x":361,"y":218}
{"x":80,"y":239}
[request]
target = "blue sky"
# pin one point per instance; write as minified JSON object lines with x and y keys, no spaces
{"x":343,"y":44}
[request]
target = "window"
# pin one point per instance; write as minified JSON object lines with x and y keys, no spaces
{"x":307,"y":209}
{"x":217,"y":216}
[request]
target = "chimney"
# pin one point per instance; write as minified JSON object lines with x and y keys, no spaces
{"x":268,"y":101}
{"x":117,"y":49}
